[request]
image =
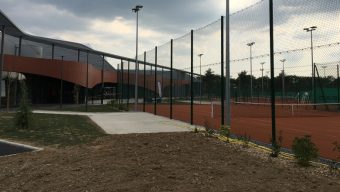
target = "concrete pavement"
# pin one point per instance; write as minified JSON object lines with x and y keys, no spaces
{"x":130,"y":122}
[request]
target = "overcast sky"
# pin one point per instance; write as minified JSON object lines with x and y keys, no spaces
{"x":109,"y":25}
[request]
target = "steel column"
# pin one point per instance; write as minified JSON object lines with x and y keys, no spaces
{"x":227,"y":66}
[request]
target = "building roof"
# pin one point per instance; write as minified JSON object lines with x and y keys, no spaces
{"x":12,"y":30}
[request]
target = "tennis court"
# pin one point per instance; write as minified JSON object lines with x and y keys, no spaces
{"x":321,"y":121}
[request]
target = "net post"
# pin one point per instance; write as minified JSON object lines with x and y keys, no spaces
{"x":171,"y":75}
{"x":155,"y":84}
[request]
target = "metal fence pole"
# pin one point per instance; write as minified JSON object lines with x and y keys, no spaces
{"x":222,"y":71}
{"x":144,"y":82}
{"x":128,"y":85}
{"x":117,"y":84}
{"x":192,"y":80}
{"x":271,"y":24}
{"x":20,"y":45}
{"x":87,"y":79}
{"x":171,"y":76}
{"x":61,"y":82}
{"x":155,"y":84}
{"x":2,"y":58}
{"x":102,"y":91}
{"x":122,"y":81}
{"x":338,"y":85}
{"x":52,"y":56}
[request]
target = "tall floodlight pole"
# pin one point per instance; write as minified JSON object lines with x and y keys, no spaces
{"x":251,"y":69}
{"x":262,"y":69}
{"x":311,"y":29}
{"x":227,"y":66}
{"x":200,"y":55}
{"x":283,"y":78}
{"x":136,"y":10}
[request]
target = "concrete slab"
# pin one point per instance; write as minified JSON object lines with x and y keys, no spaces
{"x":131,"y":122}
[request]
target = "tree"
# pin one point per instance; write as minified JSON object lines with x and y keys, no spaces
{"x":212,"y":83}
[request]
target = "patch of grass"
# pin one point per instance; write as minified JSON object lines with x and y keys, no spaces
{"x":48,"y":129}
{"x":90,"y":108}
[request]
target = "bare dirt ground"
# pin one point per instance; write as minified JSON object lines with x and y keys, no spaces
{"x":158,"y":162}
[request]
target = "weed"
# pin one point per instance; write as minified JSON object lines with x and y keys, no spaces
{"x":276,"y":146}
{"x":209,"y":127}
{"x":304,"y":150}
{"x":195,"y":130}
{"x":333,"y":166}
{"x":245,"y":139}
{"x":225,"y":130}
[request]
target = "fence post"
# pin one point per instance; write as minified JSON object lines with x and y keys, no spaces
{"x":102,"y":92}
{"x":144,"y":83}
{"x":338,"y":85}
{"x":61,"y":83}
{"x":222,"y":71}
{"x":122,"y":80}
{"x":2,"y":58}
{"x":192,"y":80}
{"x":155,"y":84}
{"x":52,"y":56}
{"x":87,"y":79}
{"x":117,"y":85}
{"x":171,"y":75}
{"x":128,"y":85}
{"x":271,"y":24}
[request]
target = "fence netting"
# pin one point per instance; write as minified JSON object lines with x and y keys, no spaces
{"x":182,"y":79}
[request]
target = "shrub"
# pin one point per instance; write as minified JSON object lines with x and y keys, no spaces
{"x":23,"y":116}
{"x":304,"y":150}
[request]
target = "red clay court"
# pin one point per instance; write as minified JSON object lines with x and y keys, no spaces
{"x":255,"y":121}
